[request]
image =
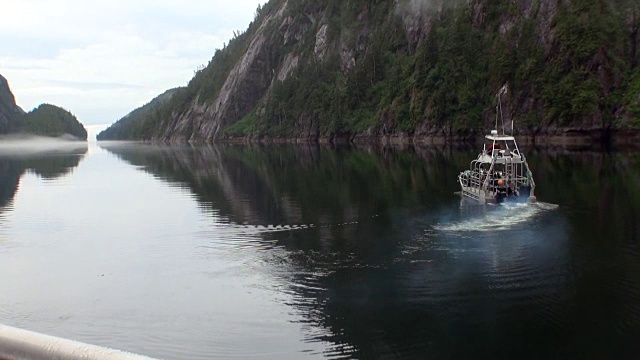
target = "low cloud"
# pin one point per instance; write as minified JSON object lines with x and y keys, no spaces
{"x":89,"y":86}
{"x":26,"y":145}
{"x":407,"y":7}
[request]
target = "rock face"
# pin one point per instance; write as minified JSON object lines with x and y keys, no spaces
{"x":412,"y":71}
{"x":244,"y":85}
{"x":9,"y":111}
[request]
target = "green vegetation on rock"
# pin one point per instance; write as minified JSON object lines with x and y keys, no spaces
{"x":133,"y":124}
{"x":45,"y":120}
{"x":50,"y":120}
{"x":372,"y":68}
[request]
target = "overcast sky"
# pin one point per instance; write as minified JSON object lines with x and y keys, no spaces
{"x":101,"y":59}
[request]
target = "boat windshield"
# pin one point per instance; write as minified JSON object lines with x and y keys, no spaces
{"x":501,"y":145}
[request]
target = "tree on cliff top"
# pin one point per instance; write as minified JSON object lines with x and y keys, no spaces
{"x":50,"y":120}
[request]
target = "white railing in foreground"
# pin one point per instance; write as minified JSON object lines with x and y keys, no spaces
{"x":17,"y":344}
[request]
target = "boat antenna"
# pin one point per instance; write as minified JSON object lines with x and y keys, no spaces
{"x":503,"y":91}
{"x":497,"y":111}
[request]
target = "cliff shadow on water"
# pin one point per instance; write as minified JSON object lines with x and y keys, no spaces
{"x":45,"y":157}
{"x":374,"y":262}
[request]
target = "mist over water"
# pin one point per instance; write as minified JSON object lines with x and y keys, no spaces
{"x":26,"y":145}
{"x":285,"y":252}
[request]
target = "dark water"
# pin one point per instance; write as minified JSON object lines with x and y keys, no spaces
{"x":294,"y":252}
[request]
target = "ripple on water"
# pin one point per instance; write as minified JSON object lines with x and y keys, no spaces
{"x":497,"y":218}
{"x":490,"y":259}
{"x":223,"y":236}
{"x":628,"y":287}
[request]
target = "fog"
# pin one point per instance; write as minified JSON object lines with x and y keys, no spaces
{"x":94,"y":130}
{"x":29,"y":144}
{"x":407,"y":7}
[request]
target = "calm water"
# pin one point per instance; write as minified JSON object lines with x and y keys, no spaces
{"x":295,"y":252}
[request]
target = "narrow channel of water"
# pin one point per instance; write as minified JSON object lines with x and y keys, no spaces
{"x":291,"y":251}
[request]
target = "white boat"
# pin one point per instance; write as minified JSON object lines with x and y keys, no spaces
{"x":500,"y":172}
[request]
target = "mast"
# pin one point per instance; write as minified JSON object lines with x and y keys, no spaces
{"x":503,"y":91}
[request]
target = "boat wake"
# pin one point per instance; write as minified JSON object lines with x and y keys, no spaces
{"x":497,"y":218}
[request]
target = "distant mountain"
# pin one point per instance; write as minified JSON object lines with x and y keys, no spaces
{"x":413,"y":70}
{"x":132,"y":125}
{"x":53,"y":121}
{"x":10,"y":113}
{"x":45,"y":120}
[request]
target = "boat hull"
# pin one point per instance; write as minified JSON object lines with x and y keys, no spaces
{"x":480,"y":195}
{"x":495,"y":197}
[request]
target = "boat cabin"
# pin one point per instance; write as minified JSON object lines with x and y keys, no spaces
{"x":500,"y":170}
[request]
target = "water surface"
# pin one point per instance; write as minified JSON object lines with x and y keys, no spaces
{"x":291,"y":252}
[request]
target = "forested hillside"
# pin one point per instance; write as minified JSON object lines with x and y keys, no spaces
{"x":134,"y":124}
{"x":45,"y":120}
{"x":411,"y":70}
{"x":53,"y":121}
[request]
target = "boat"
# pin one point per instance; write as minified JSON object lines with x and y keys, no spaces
{"x":500,"y":172}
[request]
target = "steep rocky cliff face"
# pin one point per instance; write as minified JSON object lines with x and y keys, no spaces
{"x":245,"y":84}
{"x":9,"y":111}
{"x":414,"y":70}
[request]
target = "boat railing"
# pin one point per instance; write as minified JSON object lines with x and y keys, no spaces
{"x":474,"y":178}
{"x":512,"y":173}
{"x":21,"y":344}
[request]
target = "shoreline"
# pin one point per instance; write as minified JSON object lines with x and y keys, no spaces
{"x":628,"y":139}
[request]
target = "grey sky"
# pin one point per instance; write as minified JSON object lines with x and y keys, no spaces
{"x":101,"y":59}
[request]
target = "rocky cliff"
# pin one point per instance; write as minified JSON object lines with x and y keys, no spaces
{"x":414,"y":71}
{"x":9,"y":111}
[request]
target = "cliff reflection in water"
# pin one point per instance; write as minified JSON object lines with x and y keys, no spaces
{"x":375,"y":268}
{"x":55,"y":160}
